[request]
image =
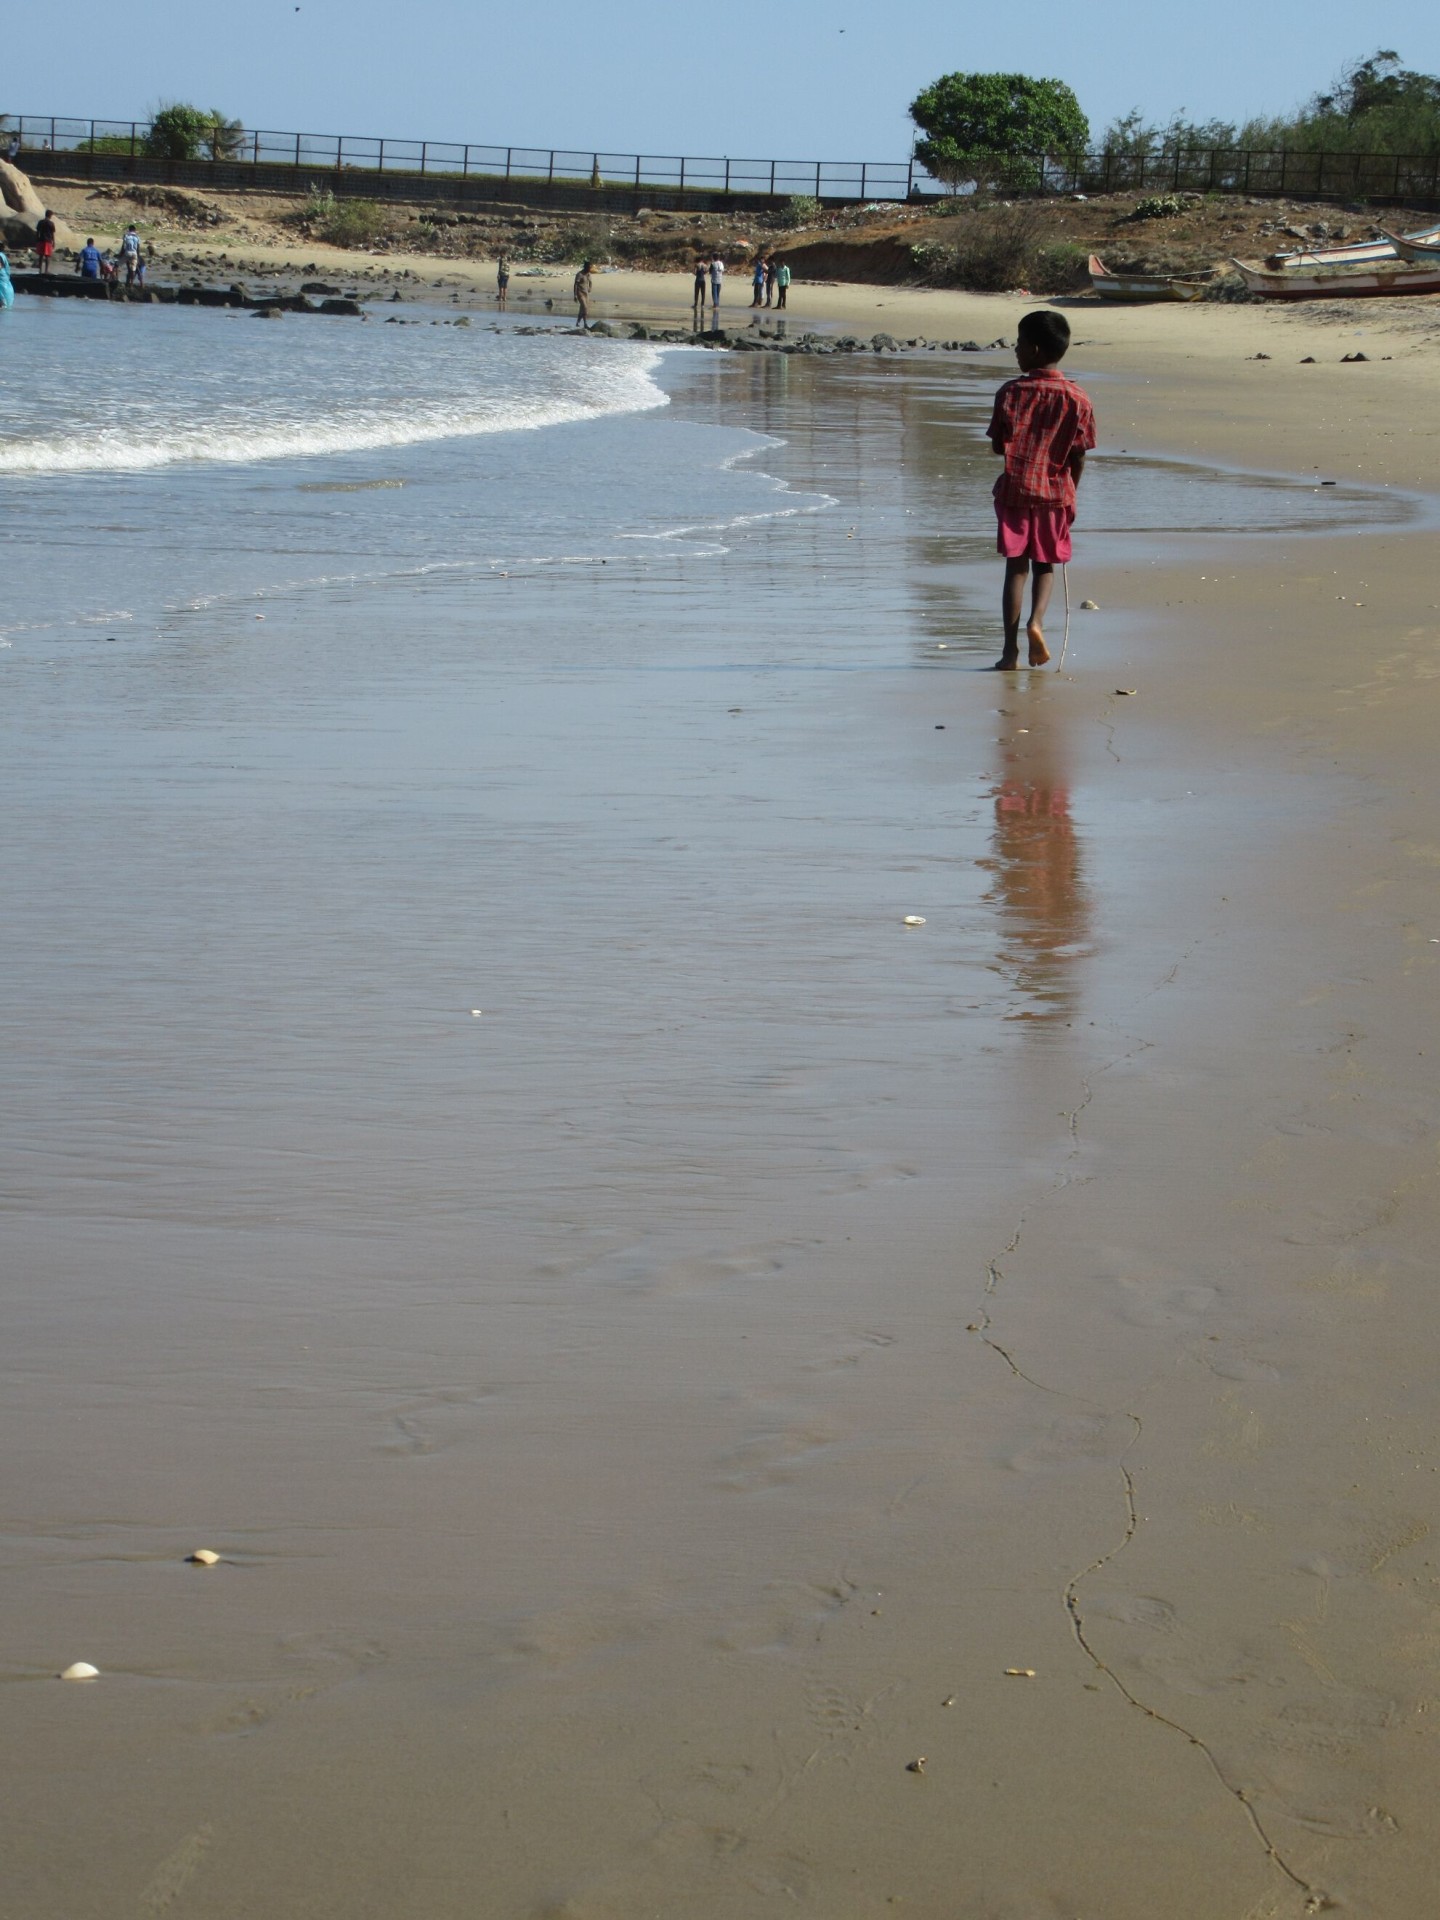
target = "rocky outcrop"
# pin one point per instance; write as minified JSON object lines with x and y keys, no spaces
{"x":21,"y":210}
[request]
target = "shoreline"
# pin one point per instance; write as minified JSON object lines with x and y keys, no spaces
{"x":790,"y":1329}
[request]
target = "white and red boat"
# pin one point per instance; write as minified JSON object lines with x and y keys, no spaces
{"x":1352,"y":283}
{"x":1136,"y":287}
{"x":1353,"y":253}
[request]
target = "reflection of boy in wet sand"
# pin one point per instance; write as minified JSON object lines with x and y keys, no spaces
{"x":1041,"y":427}
{"x":1039,"y":877}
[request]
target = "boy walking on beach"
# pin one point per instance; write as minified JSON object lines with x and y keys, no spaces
{"x":1042,"y":427}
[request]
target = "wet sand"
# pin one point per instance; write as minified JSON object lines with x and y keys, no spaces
{"x":641,"y":1422}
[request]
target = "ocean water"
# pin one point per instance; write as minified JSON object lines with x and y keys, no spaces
{"x":154,"y":461}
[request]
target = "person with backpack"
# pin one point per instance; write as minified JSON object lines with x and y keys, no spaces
{"x":130,"y":255}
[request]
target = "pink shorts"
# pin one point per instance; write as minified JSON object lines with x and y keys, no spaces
{"x":1034,"y":533}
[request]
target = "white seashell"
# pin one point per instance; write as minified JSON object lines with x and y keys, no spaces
{"x":475,"y":1013}
{"x":82,"y":1670}
{"x":1019,"y":1673}
{"x":203,"y":1557}
{"x":913,"y":920}
{"x":1090,"y":606}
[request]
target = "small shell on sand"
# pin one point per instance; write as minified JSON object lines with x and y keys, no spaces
{"x":914,"y":920}
{"x":1019,"y":1673}
{"x":1125,"y":692}
{"x":203,"y":1557}
{"x":915,"y":1766}
{"x":1090,"y":606}
{"x":82,"y":1670}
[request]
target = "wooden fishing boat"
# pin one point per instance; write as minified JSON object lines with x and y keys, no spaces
{"x":1423,"y":250}
{"x":1345,"y":284}
{"x":1141,"y":286}
{"x":1355,"y":252}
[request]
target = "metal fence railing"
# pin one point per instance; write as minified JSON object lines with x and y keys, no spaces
{"x":1394,"y":177}
{"x":331,"y":152}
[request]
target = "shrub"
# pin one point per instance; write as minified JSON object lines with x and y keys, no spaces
{"x":1059,"y":268}
{"x":799,"y":210}
{"x":354,"y":223}
{"x":341,"y":223}
{"x":1160,"y":206}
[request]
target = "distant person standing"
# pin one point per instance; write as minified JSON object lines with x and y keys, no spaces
{"x":7,"y":292}
{"x":45,"y":241}
{"x":697,"y":292}
{"x":782,"y":283}
{"x":581,"y":291}
{"x":12,"y":148}
{"x":130,"y":256}
{"x":757,"y":281}
{"x":717,"y":282}
{"x":87,"y":263}
{"x":502,"y":282}
{"x":770,"y":271}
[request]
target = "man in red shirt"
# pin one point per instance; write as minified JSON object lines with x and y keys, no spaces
{"x":1042,"y":427}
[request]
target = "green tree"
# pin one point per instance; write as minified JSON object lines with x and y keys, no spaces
{"x":1376,"y":106}
{"x":988,"y":127}
{"x":181,"y":132}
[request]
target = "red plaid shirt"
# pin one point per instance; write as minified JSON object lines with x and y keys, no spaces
{"x":1040,"y":419}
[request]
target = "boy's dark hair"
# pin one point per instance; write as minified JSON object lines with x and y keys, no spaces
{"x":1047,"y":331}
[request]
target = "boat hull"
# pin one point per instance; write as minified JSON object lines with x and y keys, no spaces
{"x":1135,"y":289}
{"x":1425,"y":253}
{"x":1357,"y":252}
{"x":1291,"y":285}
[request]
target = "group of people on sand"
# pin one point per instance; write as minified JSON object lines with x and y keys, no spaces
{"x":769,"y":280}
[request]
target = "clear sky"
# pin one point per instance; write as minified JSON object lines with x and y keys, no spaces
{"x":793,"y":79}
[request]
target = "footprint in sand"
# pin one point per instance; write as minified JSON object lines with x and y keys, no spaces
{"x":434,"y":1421}
{"x":644,"y":1272}
{"x":774,"y":1458}
{"x":1075,"y":1439}
{"x":174,"y":1872}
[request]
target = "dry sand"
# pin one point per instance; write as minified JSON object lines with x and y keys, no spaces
{"x":631,"y":1573}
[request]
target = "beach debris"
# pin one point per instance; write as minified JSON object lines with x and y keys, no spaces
{"x":939,"y":726}
{"x":948,"y":1701}
{"x":913,"y":920}
{"x":202,"y":1557}
{"x":1349,"y":359}
{"x":942,"y":646}
{"x":1089,"y":606}
{"x":1125,"y":692}
{"x":82,"y":1670}
{"x":476,"y":1013}
{"x":915,"y":1766}
{"x":1308,"y":361}
{"x":1019,"y":1673}
{"x":1258,"y":356}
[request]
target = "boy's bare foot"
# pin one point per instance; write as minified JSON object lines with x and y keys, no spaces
{"x":1007,"y":663}
{"x":1039,"y":652}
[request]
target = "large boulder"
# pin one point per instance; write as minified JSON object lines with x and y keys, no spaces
{"x":21,"y":210}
